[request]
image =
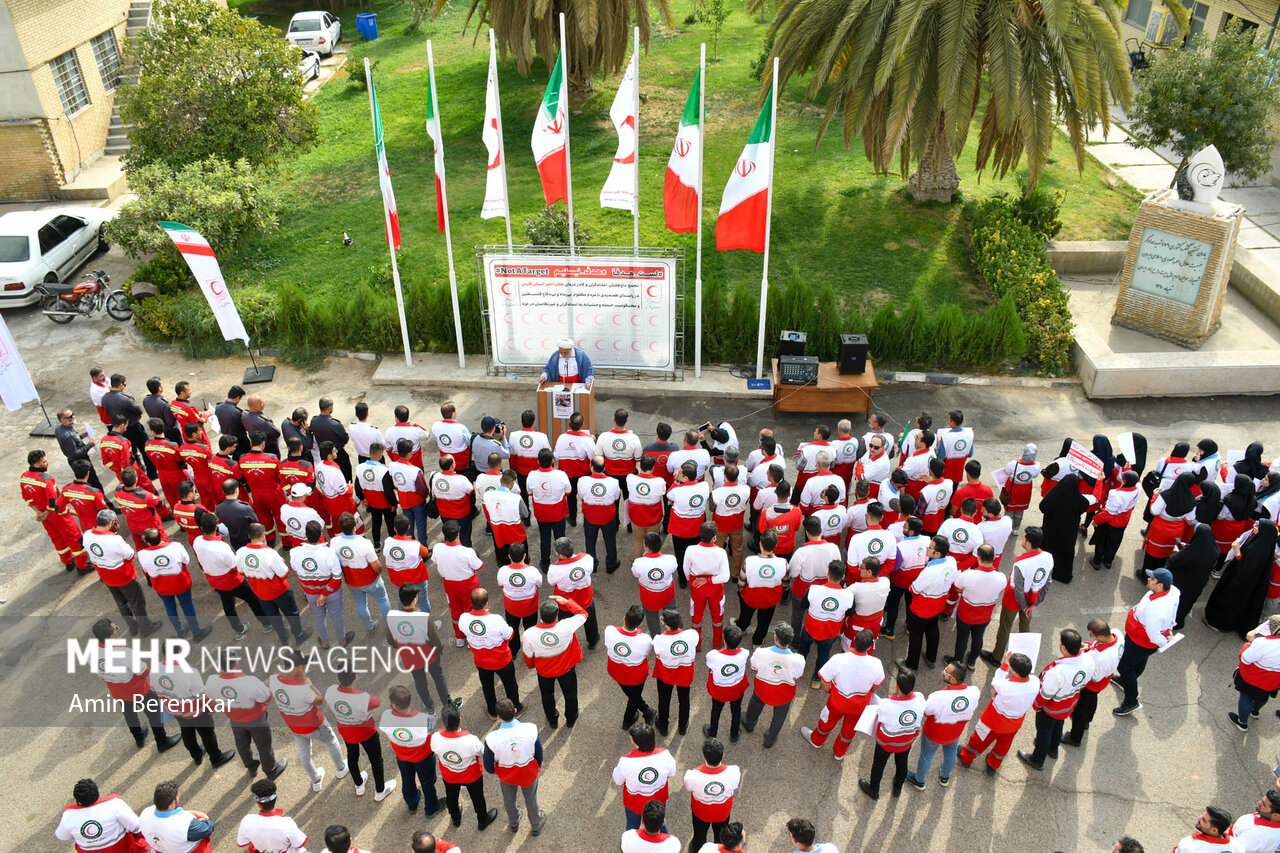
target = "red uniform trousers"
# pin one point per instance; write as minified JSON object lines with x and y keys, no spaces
{"x":709,"y":594}
{"x":458,"y":594}
{"x":842,"y":711}
{"x":65,"y":536}
{"x":984,"y":735}
{"x":169,"y":481}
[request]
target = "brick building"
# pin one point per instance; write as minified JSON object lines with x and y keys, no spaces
{"x":60,"y":64}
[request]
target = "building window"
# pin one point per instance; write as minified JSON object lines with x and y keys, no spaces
{"x":1137,"y":12}
{"x":70,"y":82}
{"x":107,"y":55}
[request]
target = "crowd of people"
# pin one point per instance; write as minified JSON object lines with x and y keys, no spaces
{"x":844,"y":534}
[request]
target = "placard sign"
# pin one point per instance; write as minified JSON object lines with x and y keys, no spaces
{"x":620,"y":310}
{"x":1170,"y":266}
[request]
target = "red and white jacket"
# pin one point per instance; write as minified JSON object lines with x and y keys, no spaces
{"x":505,"y":511}
{"x":776,"y":674}
{"x":105,"y":826}
{"x":727,"y":676}
{"x":549,"y":489}
{"x":573,"y":452}
{"x":1011,"y":698}
{"x":621,"y":449}
{"x":872,"y":542}
{"x":711,"y":791}
{"x":930,"y":588}
{"x":519,"y":583}
{"x":628,"y":653}
{"x":1118,"y":508}
{"x":526,"y":444}
{"x":487,"y":635}
{"x":517,"y":752}
{"x":408,"y":733}
{"x":1260,"y":662}
{"x":707,"y":567}
{"x":978,"y":591}
{"x":552,"y":648}
{"x":1028,"y":580}
{"x":730,"y":503}
{"x":645,"y":499}
{"x":656,"y":574}
{"x":452,"y":493}
{"x":675,"y":653}
{"x":644,"y":776}
{"x":1060,"y":684}
{"x":688,"y":507}
{"x":459,"y":754}
{"x":1198,"y":842}
{"x":898,"y":721}
{"x":599,"y":494}
{"x":853,"y":677}
{"x":1105,"y":658}
{"x":763,"y":577}
{"x":1150,"y":621}
{"x":166,"y":565}
{"x":828,"y":604}
{"x":948,"y":711}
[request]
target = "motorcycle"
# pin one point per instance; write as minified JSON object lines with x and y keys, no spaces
{"x":62,"y":303}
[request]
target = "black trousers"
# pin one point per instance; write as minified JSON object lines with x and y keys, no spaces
{"x":896,"y":594}
{"x":735,"y":717}
{"x":476,"y":791}
{"x":763,"y":616}
{"x":1048,"y":736}
{"x":610,"y":533}
{"x":971,"y":636}
{"x":548,"y":532}
{"x":138,"y":438}
{"x":880,"y":759}
{"x":245,"y":594}
{"x":255,"y":735}
{"x":569,"y":687}
{"x":924,"y":631}
{"x":635,"y":703}
{"x":664,"y":705}
{"x":372,"y":748}
{"x":1106,"y":542}
{"x":377,"y":516}
{"x":199,"y":730}
{"x":132,"y":605}
{"x":682,"y":544}
{"x":700,"y":828}
{"x":592,"y":627}
{"x":1082,"y":714}
{"x":508,"y":677}
{"x":517,"y":623}
{"x":154,"y":718}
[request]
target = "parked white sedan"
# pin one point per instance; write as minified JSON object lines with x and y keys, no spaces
{"x":318,"y":31}
{"x":309,"y":66}
{"x":45,"y":245}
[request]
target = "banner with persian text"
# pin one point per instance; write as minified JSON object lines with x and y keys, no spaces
{"x":620,"y":310}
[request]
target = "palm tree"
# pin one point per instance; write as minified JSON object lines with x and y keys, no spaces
{"x":908,"y":76}
{"x":599,"y":33}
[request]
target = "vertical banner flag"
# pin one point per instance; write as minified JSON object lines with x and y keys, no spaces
{"x":384,"y":173}
{"x":16,"y":387}
{"x":433,"y":130}
{"x":620,"y":187}
{"x":549,"y":136}
{"x":745,"y":207}
{"x":198,"y":254}
{"x":495,"y":186}
{"x":683,"y":184}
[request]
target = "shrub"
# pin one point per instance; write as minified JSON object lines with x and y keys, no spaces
{"x":550,"y":227}
{"x":167,"y":271}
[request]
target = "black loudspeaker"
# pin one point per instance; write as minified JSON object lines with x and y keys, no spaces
{"x":792,"y":343}
{"x":853,"y":353}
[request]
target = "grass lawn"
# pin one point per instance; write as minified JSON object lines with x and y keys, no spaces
{"x":834,"y":220}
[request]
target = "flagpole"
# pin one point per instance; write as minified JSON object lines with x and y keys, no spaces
{"x":444,"y":204}
{"x":502,"y":150}
{"x":768,"y":220}
{"x":697,"y":281}
{"x":568,"y":170}
{"x":386,"y":216}
{"x":635,"y":211}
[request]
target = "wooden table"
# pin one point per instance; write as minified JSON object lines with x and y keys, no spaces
{"x":835,"y":392}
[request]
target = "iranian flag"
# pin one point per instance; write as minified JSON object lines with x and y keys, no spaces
{"x":433,"y":130}
{"x":744,"y":210}
{"x":384,"y":173}
{"x":683,"y":184}
{"x":550,"y":131}
{"x":198,"y":254}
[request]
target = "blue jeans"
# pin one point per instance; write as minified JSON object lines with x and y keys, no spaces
{"x":333,"y":610}
{"x":417,"y":521}
{"x":411,"y":774}
{"x":171,"y":603}
{"x":925,"y":761}
{"x":378,"y":591}
{"x":824,"y":649}
{"x":1247,"y":706}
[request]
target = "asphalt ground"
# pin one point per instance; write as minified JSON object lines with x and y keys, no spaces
{"x":1148,"y":775}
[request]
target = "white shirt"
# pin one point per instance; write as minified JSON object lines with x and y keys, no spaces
{"x":362,"y":435}
{"x":214,"y":555}
{"x":106,"y":550}
{"x":633,"y":843}
{"x":456,"y":562}
{"x":697,"y":455}
{"x":271,"y":833}
{"x":817,"y":484}
{"x":1250,"y":836}
{"x":97,"y":826}
{"x":548,"y":487}
{"x":353,"y":552}
{"x":169,"y":559}
{"x":995,"y":532}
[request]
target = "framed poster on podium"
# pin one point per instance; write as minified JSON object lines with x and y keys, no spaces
{"x":557,"y":402}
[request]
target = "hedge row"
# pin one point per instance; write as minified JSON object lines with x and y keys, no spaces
{"x":1009,"y":252}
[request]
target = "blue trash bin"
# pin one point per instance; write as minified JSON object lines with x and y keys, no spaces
{"x":367,"y":25}
{"x":362,"y":23}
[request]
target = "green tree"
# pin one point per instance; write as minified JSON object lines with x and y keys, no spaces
{"x":1216,"y":93}
{"x":599,"y":33}
{"x":211,"y":83}
{"x":908,"y":76}
{"x":714,"y":12}
{"x":223,"y":201}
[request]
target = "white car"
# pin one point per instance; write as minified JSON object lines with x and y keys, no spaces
{"x":318,"y":31}
{"x":45,"y":245}
{"x":309,"y":66}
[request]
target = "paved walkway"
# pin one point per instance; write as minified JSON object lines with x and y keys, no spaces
{"x":1147,"y":170}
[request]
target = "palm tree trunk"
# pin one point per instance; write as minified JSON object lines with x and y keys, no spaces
{"x":935,"y":178}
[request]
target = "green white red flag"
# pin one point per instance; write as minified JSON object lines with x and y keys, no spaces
{"x":682,"y":187}
{"x":433,"y":130}
{"x":384,"y":173}
{"x":550,"y":130}
{"x":744,"y":209}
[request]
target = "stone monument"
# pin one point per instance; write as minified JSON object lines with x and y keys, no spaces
{"x":1180,"y":253}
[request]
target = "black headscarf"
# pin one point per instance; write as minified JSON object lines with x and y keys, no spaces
{"x":1200,"y":551}
{"x":1181,"y":450}
{"x":1209,"y":506}
{"x":1051,"y":470}
{"x":1251,"y":465}
{"x":1102,"y":450}
{"x":1178,"y":499}
{"x":1062,"y":509}
{"x":1271,"y":487}
{"x":1236,"y":602}
{"x":1207,"y":447}
{"x":1243,"y":501}
{"x":1139,"y":460}
{"x":1066,"y":446}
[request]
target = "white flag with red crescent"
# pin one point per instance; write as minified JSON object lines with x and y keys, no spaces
{"x":198,"y":254}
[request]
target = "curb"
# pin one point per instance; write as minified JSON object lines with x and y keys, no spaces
{"x":981,"y":381}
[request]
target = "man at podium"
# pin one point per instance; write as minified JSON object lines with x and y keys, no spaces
{"x":567,"y":365}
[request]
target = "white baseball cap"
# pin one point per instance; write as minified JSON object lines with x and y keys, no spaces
{"x":299,"y":490}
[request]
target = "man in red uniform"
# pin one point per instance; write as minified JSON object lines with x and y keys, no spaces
{"x":1013,"y":691}
{"x":117,"y":452}
{"x":727,"y":682}
{"x":551,"y":648}
{"x":223,"y":466}
{"x":40,"y":492}
{"x":489,"y":635}
{"x":972,"y":487}
{"x":460,"y":755}
{"x":184,"y":413}
{"x":127,"y":684}
{"x":169,"y":464}
{"x":81,"y":499}
{"x":849,"y":679}
{"x":783,"y":519}
{"x":261,"y":474}
{"x":196,"y":451}
{"x":142,"y":509}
